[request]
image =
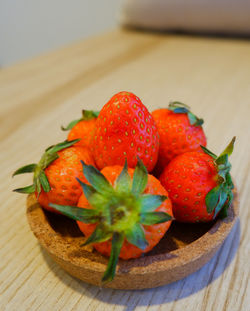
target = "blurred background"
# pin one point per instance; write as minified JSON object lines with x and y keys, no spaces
{"x":29,"y":28}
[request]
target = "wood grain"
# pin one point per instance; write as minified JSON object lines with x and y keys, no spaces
{"x":36,"y":97}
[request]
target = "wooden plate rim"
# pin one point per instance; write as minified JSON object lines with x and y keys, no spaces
{"x":190,"y":253}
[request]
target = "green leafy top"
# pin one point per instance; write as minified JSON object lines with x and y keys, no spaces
{"x":86,"y":115}
{"x":220,"y":198}
{"x":178,"y":107}
{"x":119,"y":211}
{"x":40,"y":180}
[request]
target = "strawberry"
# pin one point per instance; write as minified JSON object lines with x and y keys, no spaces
{"x":82,"y":128}
{"x":124,"y":213}
{"x":180,"y":131}
{"x":55,"y":174}
{"x":199,"y":184}
{"x":124,"y":130}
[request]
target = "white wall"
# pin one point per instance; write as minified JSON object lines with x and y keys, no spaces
{"x":31,"y":27}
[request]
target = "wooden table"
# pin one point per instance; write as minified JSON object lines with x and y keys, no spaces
{"x":37,"y":96}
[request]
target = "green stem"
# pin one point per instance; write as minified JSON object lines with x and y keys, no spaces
{"x":117,"y":242}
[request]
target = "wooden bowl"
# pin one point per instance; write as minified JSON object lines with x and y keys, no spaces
{"x":184,"y":249}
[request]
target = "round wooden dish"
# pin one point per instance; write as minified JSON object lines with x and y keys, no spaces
{"x":184,"y":249}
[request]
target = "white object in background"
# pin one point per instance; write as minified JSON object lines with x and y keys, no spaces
{"x":219,"y":16}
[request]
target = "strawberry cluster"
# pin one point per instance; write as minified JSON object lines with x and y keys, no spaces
{"x":100,"y":176}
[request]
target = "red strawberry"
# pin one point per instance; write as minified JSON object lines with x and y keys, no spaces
{"x":124,"y":130}
{"x":121,"y":216}
{"x":180,"y":131}
{"x":55,"y":175}
{"x":199,"y":185}
{"x":82,"y":128}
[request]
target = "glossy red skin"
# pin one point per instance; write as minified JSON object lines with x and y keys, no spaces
{"x":177,"y":136}
{"x":62,"y":174}
{"x":124,"y":130}
{"x":153,"y":233}
{"x":83,"y":130}
{"x":188,"y":178}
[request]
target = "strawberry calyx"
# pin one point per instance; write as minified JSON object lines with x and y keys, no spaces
{"x":120,"y":211}
{"x":220,"y":198}
{"x":178,"y":107}
{"x":86,"y":115}
{"x":40,"y":180}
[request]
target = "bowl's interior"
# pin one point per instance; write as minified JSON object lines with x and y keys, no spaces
{"x":178,"y":236}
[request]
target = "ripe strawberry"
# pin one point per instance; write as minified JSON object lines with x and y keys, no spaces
{"x":55,"y":175}
{"x":199,"y":184}
{"x":82,"y":128}
{"x":124,"y":130}
{"x":121,"y":216}
{"x":180,"y":131}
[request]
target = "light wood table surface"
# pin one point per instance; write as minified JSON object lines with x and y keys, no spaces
{"x":210,"y":74}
